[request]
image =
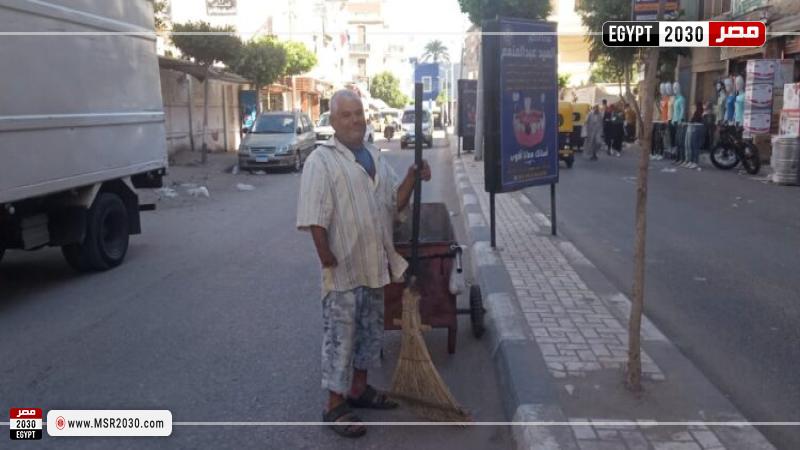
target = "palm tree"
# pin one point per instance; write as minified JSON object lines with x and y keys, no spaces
{"x":437,"y":51}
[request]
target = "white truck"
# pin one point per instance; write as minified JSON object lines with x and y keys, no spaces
{"x":81,"y":126}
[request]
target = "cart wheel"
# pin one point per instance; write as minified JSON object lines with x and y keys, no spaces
{"x":476,"y":311}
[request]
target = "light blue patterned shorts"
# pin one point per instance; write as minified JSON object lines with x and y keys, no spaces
{"x":352,"y":335}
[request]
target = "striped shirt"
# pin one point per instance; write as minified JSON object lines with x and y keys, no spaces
{"x":358,"y":212}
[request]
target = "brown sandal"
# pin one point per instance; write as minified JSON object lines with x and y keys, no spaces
{"x":343,"y":413}
{"x":372,"y":399}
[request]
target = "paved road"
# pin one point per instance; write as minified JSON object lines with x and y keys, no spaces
{"x":722,"y":271}
{"x":214,"y":316}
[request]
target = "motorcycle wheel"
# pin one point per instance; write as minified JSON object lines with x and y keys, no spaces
{"x":724,"y":158}
{"x":751,"y":160}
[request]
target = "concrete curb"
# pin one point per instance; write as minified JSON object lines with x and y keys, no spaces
{"x":525,"y":382}
{"x":530,"y":393}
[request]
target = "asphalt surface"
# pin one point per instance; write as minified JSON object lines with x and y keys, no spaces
{"x":214,"y":316}
{"x":722,"y":270}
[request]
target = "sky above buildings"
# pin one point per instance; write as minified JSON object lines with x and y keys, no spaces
{"x":414,"y":23}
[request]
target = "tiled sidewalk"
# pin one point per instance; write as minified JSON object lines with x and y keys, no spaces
{"x":575,"y":331}
{"x":582,"y":337}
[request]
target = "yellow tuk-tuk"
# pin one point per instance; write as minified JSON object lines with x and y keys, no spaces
{"x":565,"y":123}
{"x":579,"y":113}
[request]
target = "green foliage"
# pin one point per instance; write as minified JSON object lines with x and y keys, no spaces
{"x":160,"y":16}
{"x":206,"y":49}
{"x":386,"y":87}
{"x":605,"y":70}
{"x":442,"y":98}
{"x":436,"y":51}
{"x":299,"y":59}
{"x":261,"y":61}
{"x":479,"y":10}
{"x":610,"y":62}
{"x":563,"y":80}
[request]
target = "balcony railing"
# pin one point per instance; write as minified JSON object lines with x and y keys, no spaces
{"x":359,"y":48}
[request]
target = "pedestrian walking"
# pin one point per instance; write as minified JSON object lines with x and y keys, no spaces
{"x":608,"y":111}
{"x":593,"y":129}
{"x":630,"y":123}
{"x":350,"y":199}
{"x":613,"y":131}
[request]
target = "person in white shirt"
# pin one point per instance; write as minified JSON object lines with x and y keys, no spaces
{"x":350,"y":199}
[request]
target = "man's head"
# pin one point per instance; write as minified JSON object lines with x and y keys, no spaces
{"x":604,"y":102}
{"x":347,"y":118}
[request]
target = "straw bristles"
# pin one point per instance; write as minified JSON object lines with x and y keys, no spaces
{"x":416,"y":380}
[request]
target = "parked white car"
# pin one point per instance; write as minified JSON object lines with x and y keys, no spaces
{"x":324,"y":130}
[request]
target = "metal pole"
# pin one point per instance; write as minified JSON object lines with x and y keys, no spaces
{"x":190,"y":107}
{"x":417,"y":206}
{"x":492,"y":221}
{"x":224,"y":119}
{"x":553,"y":217}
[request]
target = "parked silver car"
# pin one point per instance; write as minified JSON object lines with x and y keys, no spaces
{"x":277,"y":139}
{"x":324,"y":130}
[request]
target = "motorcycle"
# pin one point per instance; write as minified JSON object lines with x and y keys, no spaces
{"x":731,"y":149}
{"x":388,"y":132}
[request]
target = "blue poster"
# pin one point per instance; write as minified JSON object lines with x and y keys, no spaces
{"x":467,"y":107}
{"x":528,"y":94}
{"x":248,"y":105}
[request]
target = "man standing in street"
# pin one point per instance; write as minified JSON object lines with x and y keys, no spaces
{"x":350,"y":199}
{"x":594,"y":132}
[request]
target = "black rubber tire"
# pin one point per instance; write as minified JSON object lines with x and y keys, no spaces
{"x":570,"y":161}
{"x":476,"y":311}
{"x":106,"y":241}
{"x":718,"y":163}
{"x":752,"y":160}
{"x":403,"y":145}
{"x":2,"y":253}
{"x":429,"y":143}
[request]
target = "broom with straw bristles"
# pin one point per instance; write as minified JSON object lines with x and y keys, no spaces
{"x":416,"y":380}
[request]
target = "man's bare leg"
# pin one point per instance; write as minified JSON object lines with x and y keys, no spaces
{"x":359,"y":383}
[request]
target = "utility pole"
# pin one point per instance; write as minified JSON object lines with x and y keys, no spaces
{"x":292,"y":16}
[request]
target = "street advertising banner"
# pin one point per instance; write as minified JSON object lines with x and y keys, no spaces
{"x":221,"y":7}
{"x":520,"y":68}
{"x":467,"y":107}
{"x":742,"y":7}
{"x":648,"y":10}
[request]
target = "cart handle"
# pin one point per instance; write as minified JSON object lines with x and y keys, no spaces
{"x":455,"y":248}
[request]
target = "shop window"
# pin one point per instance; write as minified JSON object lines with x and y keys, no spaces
{"x":427,"y":84}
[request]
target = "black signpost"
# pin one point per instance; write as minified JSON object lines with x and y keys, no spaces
{"x":467,"y":113}
{"x":520,"y":68}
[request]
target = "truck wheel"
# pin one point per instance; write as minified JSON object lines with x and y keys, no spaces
{"x":106,"y":241}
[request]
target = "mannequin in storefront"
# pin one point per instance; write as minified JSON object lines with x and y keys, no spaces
{"x":720,"y":106}
{"x":659,"y":124}
{"x":670,"y":145}
{"x":738,"y":116}
{"x":730,"y":101}
{"x":678,"y":120}
{"x":664,"y":102}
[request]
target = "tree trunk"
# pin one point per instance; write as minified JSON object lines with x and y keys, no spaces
{"x":633,"y":375}
{"x":206,"y":83}
{"x":258,"y":99}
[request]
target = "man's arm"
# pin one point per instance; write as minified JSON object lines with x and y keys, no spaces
{"x":326,"y":256}
{"x":406,"y":188}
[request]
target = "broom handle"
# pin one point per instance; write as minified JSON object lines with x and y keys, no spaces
{"x":417,"y":209}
